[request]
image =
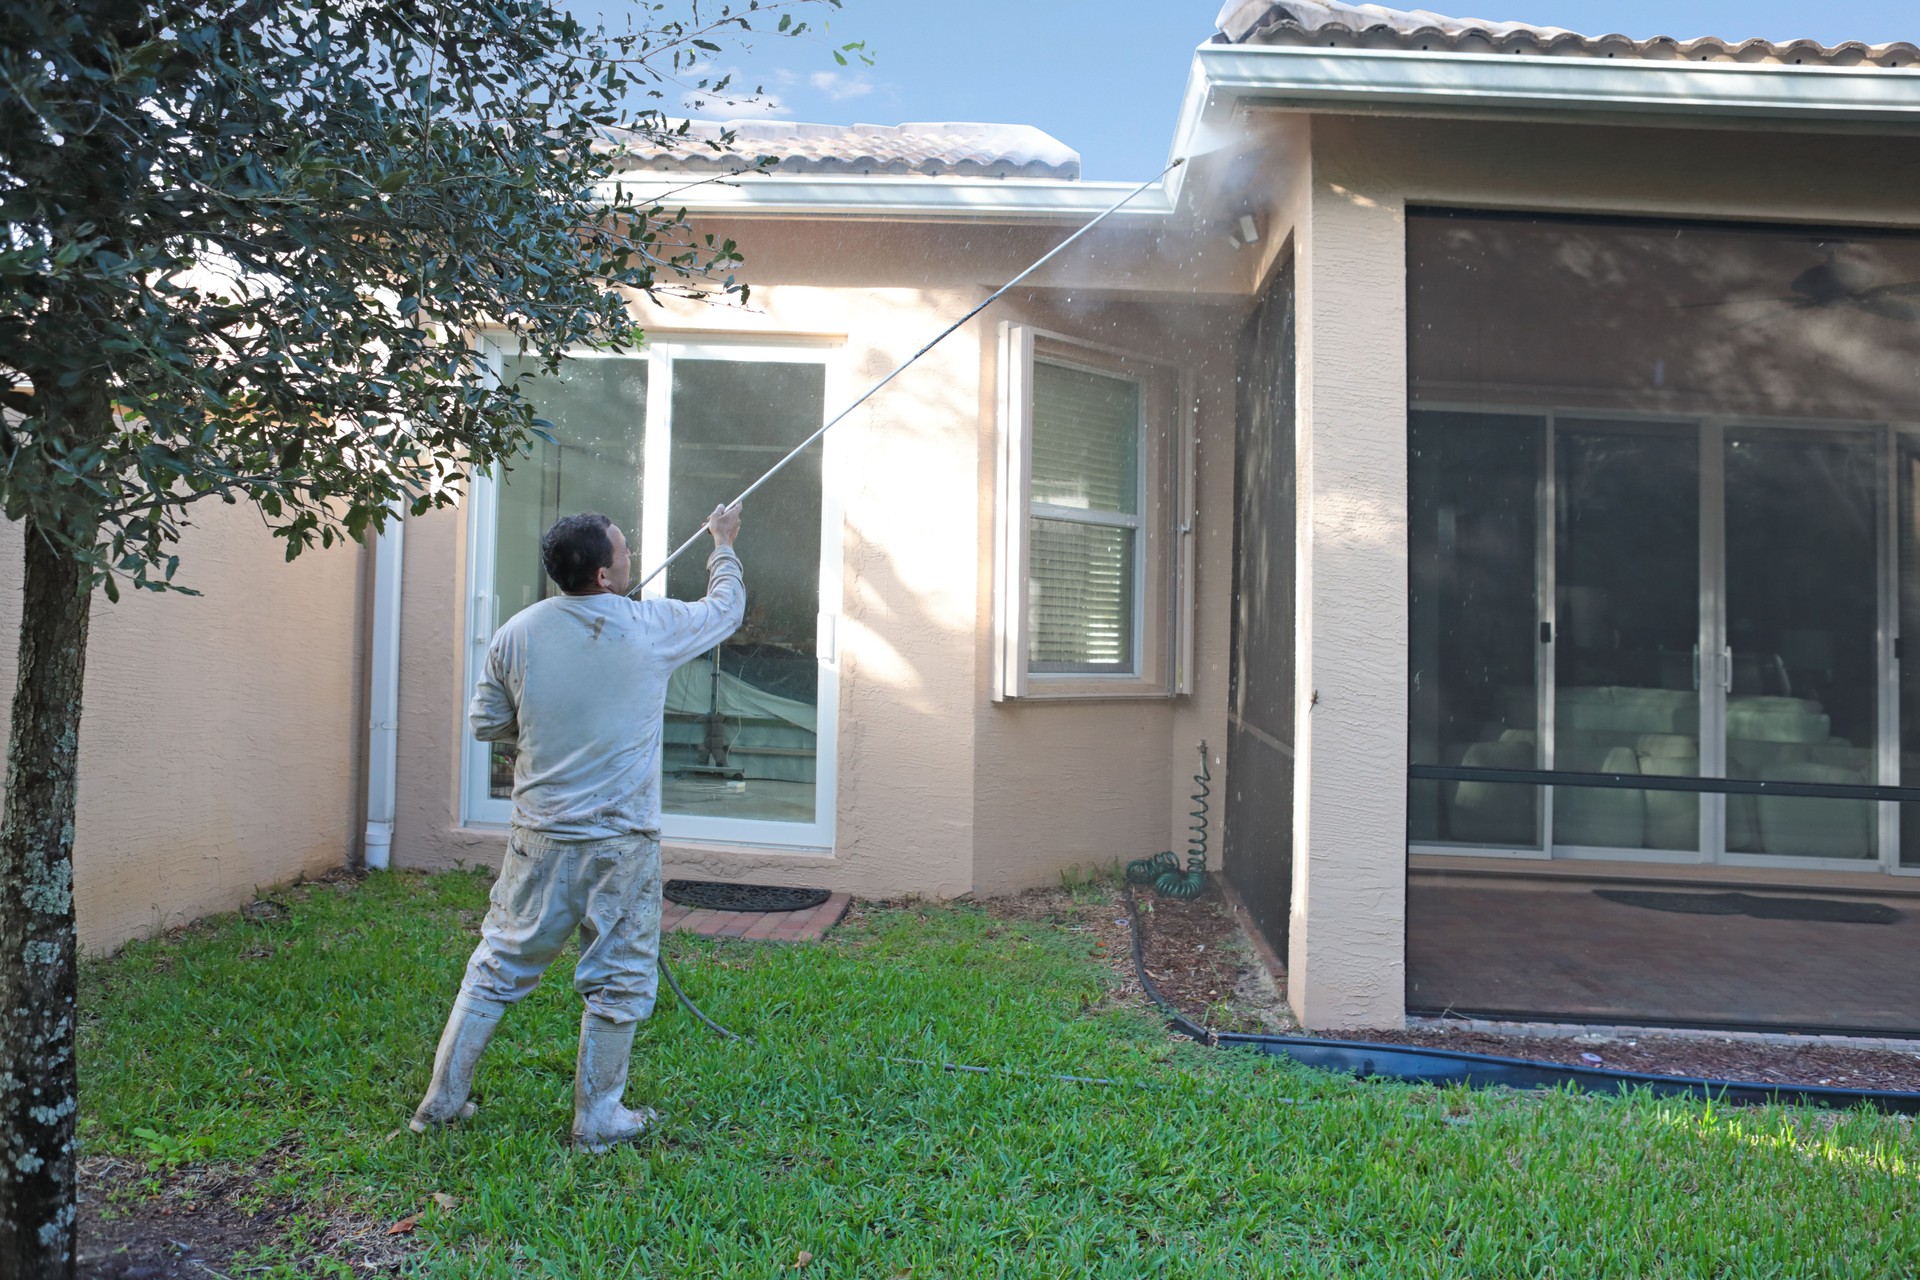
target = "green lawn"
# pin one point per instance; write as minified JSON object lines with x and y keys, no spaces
{"x":308,"y":1027}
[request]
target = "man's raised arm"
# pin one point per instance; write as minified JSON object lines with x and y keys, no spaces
{"x":701,"y":624}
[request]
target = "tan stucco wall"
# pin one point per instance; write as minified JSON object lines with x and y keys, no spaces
{"x":1087,"y":783}
{"x":222,"y":736}
{"x":904,"y":467}
{"x":1346,"y":958}
{"x":939,"y":791}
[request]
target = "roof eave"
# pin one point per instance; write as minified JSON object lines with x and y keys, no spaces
{"x":1643,"y":91}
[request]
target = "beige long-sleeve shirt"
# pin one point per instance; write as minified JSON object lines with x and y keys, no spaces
{"x":578,"y":685}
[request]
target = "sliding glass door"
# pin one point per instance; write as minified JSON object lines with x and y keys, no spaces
{"x":1658,"y":597}
{"x":1800,"y":670}
{"x":1627,"y":606}
{"x":656,"y":440}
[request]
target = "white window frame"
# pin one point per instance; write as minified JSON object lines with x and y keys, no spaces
{"x":478,"y":807}
{"x":1163,"y":560}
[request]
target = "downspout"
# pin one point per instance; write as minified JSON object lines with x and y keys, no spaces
{"x":383,"y":727}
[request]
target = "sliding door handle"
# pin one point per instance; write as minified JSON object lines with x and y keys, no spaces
{"x":1696,"y":668}
{"x":1726,"y":671}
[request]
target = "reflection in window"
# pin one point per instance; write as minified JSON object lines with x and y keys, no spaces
{"x":741,"y":734}
{"x":1627,"y":588}
{"x":742,"y":729}
{"x":597,"y":408}
{"x":1802,"y":604}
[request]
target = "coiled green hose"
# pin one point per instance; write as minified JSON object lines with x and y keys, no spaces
{"x":1162,"y":870}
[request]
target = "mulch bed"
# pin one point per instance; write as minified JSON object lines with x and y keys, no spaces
{"x":1203,"y":964}
{"x":1200,"y":960}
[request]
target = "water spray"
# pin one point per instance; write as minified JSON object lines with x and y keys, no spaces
{"x":908,"y":363}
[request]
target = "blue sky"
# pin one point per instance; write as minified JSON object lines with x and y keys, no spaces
{"x":1105,"y":76}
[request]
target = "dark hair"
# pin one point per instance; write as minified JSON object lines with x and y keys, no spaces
{"x":575,"y":548}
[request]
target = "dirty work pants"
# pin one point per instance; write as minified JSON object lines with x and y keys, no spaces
{"x":608,"y":889}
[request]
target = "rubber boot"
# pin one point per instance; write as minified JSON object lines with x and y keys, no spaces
{"x":599,"y":1078}
{"x":469,"y":1027}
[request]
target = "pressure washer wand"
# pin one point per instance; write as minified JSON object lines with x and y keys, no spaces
{"x":908,"y":363}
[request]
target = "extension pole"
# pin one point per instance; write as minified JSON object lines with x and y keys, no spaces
{"x":907,"y":364}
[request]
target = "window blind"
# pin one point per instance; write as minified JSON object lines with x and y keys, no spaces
{"x":1086,"y":440}
{"x":1081,"y":572}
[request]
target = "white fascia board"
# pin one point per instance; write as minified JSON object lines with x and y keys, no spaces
{"x":892,"y":197}
{"x":1420,"y":82}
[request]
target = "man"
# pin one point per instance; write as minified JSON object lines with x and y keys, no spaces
{"x":578,"y":683}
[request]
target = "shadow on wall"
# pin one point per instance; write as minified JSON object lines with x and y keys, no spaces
{"x":221,"y":738}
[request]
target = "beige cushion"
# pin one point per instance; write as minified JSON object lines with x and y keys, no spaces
{"x":1777,"y":720}
{"x":1673,"y":817}
{"x":1600,"y":817}
{"x":1667,"y":746}
{"x":1803,"y":827}
{"x":1490,"y":813}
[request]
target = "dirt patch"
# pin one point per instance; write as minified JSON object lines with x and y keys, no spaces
{"x":192,"y":1221}
{"x":1710,"y":1058}
{"x":1091,"y":913}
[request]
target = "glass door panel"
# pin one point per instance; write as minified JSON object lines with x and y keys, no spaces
{"x":1627,"y":603}
{"x":1474,"y":621}
{"x":742,"y":723}
{"x":597,"y":408}
{"x":1800,"y":669}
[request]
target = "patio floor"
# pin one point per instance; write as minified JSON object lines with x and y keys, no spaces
{"x":1554,"y":948}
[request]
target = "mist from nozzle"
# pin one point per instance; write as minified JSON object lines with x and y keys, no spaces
{"x":1209,"y":137}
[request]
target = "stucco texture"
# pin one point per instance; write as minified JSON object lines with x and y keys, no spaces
{"x":222,"y":734}
{"x":940,"y":792}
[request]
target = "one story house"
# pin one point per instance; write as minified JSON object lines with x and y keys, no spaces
{"x":1485,"y":417}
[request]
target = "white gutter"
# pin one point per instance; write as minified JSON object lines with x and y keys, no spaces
{"x":892,"y":197}
{"x":1422,"y":82}
{"x":383,"y":727}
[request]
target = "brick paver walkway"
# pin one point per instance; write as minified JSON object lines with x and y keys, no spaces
{"x":758,"y":926}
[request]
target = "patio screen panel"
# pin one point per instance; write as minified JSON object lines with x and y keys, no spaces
{"x":1664,"y":622}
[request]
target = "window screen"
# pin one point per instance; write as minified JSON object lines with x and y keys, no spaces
{"x":1084,"y":552}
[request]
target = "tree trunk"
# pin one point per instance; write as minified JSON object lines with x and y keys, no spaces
{"x":38,"y":1089}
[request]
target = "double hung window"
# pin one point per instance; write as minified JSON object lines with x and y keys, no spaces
{"x":1087,"y":569}
{"x":656,"y":440}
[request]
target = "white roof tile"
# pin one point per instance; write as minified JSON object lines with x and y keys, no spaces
{"x":1342,"y":25}
{"x":931,"y":149}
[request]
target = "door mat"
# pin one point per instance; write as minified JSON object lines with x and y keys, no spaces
{"x":717,"y":895}
{"x":1822,"y":910}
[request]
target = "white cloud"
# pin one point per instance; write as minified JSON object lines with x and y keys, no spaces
{"x":839,"y":88}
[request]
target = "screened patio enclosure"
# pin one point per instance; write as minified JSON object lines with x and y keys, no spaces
{"x":1663,"y":524}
